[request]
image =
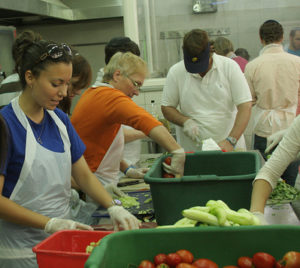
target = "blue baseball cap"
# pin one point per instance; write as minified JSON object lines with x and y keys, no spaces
{"x":199,"y":63}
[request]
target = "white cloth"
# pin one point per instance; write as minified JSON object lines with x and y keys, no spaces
{"x":108,"y":170}
{"x":43,"y":186}
{"x":285,"y":153}
{"x":211,"y":100}
{"x":99,"y":78}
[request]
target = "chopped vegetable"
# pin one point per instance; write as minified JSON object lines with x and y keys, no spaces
{"x":91,"y":246}
{"x":283,"y":192}
{"x":129,"y":201}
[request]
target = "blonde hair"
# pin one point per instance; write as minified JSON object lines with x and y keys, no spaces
{"x":127,"y":63}
{"x":223,"y":46}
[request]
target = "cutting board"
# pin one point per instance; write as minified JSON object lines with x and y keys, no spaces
{"x":145,"y":209}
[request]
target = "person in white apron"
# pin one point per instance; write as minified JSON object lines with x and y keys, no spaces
{"x":110,"y":106}
{"x":273,"y":78}
{"x":206,"y":96}
{"x":35,"y":203}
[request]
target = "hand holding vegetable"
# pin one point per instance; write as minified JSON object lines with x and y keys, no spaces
{"x":136,"y":173}
{"x":56,"y":224}
{"x":177,"y":163}
{"x":274,"y":139}
{"x":121,"y":217}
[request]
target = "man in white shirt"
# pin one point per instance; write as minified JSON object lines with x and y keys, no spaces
{"x":206,"y":96}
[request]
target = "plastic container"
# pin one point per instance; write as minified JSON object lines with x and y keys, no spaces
{"x":66,"y":248}
{"x":207,"y":175}
{"x":223,"y":245}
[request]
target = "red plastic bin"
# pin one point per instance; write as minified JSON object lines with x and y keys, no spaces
{"x":66,"y":248}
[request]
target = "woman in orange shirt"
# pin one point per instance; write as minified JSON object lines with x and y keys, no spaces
{"x":100,"y":112}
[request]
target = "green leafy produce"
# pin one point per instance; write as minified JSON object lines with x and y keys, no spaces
{"x":283,"y":192}
{"x":129,"y":201}
{"x":91,"y":246}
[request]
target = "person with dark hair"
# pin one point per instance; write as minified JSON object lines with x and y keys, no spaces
{"x":273,"y":78}
{"x":81,"y":79}
{"x":294,"y":45}
{"x":10,"y":87}
{"x":206,"y":96}
{"x":44,"y":150}
{"x":116,"y":44}
{"x":242,"y":52}
{"x":224,"y":47}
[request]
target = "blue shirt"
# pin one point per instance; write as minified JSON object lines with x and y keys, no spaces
{"x":50,"y":137}
{"x":294,"y":52}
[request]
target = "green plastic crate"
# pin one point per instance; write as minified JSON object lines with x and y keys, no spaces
{"x":208,"y":175}
{"x":224,"y":245}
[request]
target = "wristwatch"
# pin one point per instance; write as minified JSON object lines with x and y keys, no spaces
{"x":232,"y":140}
{"x":116,"y":202}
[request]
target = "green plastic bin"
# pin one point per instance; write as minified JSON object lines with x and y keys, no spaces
{"x":224,"y":245}
{"x":208,"y":175}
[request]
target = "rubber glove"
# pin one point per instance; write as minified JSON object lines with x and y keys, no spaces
{"x":261,"y":217}
{"x":113,"y":190}
{"x":177,"y":163}
{"x":56,"y":224}
{"x":136,"y":173}
{"x":122,"y":218}
{"x":274,"y":139}
{"x":191,"y":129}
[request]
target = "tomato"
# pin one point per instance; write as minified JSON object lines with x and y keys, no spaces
{"x":230,"y":266}
{"x":186,"y":256}
{"x":263,"y":260}
{"x":278,"y":265}
{"x":291,"y":259}
{"x":160,"y":258}
{"x":244,"y":262}
{"x":185,"y":265}
{"x":168,"y":160}
{"x":168,"y":175}
{"x":146,"y":264}
{"x":205,"y":263}
{"x":173,"y":259}
{"x":162,"y":265}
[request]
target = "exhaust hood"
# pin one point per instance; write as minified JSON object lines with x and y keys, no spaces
{"x":18,"y":12}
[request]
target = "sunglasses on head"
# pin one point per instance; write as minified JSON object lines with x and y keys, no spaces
{"x":56,"y":51}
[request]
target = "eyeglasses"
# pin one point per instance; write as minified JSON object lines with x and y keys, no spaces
{"x":136,"y":84}
{"x":56,"y":51}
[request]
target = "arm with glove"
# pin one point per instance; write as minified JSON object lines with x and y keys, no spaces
{"x":93,"y":187}
{"x":131,"y":172}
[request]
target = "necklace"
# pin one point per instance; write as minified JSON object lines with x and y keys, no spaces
{"x":39,"y":137}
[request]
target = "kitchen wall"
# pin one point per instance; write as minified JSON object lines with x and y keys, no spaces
{"x":241,"y":17}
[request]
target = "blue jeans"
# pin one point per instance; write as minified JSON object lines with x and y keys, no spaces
{"x":291,"y":172}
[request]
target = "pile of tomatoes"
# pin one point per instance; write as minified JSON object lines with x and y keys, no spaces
{"x":168,"y":162}
{"x":179,"y":259}
{"x":185,"y":259}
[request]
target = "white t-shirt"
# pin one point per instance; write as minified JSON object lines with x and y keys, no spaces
{"x":284,"y":154}
{"x":210,"y":100}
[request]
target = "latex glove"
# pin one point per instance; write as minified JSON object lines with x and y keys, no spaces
{"x":274,"y":139}
{"x":56,"y":224}
{"x":113,"y":190}
{"x":191,"y":129}
{"x":122,"y":218}
{"x":261,"y":217}
{"x":177,"y":163}
{"x":136,"y":173}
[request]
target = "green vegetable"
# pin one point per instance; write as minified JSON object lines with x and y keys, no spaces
{"x":200,"y":216}
{"x":129,"y":201}
{"x":283,"y":192}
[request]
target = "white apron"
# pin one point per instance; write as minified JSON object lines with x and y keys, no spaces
{"x":43,"y":186}
{"x":199,"y":104}
{"x":108,"y":170}
{"x":272,"y":118}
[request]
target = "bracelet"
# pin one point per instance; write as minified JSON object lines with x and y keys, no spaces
{"x":125,"y":171}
